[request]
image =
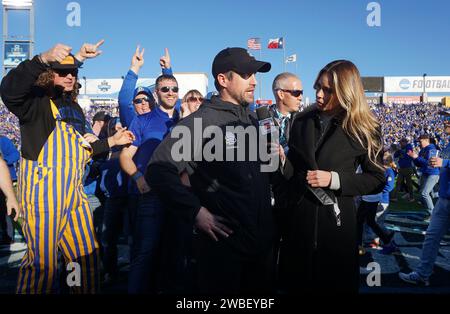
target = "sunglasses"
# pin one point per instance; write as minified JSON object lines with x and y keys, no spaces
{"x":64,"y":73}
{"x":166,"y":89}
{"x":293,"y":92}
{"x":192,"y":99}
{"x":327,"y":90}
{"x":140,"y":100}
{"x":245,"y":76}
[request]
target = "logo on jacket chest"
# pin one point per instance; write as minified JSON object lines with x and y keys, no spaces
{"x":230,"y":140}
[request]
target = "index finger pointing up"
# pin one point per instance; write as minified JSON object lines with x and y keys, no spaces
{"x":99,"y":43}
{"x":166,"y":52}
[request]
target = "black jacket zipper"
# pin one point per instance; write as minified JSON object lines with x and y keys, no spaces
{"x":316,"y":227}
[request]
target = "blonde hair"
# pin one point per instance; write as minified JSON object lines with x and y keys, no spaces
{"x":192,"y":92}
{"x":359,"y":122}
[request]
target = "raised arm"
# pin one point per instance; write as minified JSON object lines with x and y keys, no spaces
{"x":17,"y":86}
{"x":126,"y":109}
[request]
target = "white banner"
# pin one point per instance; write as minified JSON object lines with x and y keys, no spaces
{"x":414,"y":84}
{"x":110,"y":87}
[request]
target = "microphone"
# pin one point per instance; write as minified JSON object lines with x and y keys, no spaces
{"x":265,"y":122}
{"x":270,"y":133}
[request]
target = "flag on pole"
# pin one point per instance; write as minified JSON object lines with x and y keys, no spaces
{"x":291,"y":58}
{"x":276,"y":43}
{"x":254,"y":43}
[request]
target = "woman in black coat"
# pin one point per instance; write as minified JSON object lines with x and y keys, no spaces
{"x":319,"y":251}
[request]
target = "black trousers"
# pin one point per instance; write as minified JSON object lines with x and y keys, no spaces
{"x":366,"y":214}
{"x":223,"y":270}
{"x":6,"y":228}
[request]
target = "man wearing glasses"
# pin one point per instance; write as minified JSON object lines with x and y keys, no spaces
{"x":229,"y":200}
{"x":288,"y":91}
{"x":149,"y":128}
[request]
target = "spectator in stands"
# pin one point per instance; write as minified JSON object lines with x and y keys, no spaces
{"x":430,"y":175}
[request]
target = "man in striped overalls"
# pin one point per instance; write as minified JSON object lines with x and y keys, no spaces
{"x":57,"y":143}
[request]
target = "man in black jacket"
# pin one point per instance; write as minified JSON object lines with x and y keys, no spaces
{"x":228,"y":200}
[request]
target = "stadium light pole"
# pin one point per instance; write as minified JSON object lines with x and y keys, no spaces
{"x":16,"y":5}
{"x":424,"y":90}
{"x":84,"y":78}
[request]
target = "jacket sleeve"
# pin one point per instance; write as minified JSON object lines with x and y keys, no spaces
{"x":99,"y":147}
{"x":390,"y":182}
{"x":163,"y":176}
{"x":370,"y":181}
{"x":167,"y":71}
{"x":16,"y":87}
{"x":420,"y":162}
{"x":10,"y":152}
{"x":445,"y":163}
{"x":126,"y":108}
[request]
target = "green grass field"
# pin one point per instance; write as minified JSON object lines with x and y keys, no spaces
{"x":405,"y":205}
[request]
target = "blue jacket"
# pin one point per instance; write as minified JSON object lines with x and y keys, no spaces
{"x":126,"y":107}
{"x":390,"y":182}
{"x":404,"y":161}
{"x":422,"y":161}
{"x":10,"y":155}
{"x":444,"y":175}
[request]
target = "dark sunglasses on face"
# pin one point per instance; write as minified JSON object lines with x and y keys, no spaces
{"x":193,"y":98}
{"x":327,"y":90}
{"x":245,"y":76}
{"x":293,"y":92}
{"x":64,"y":73}
{"x":166,"y":89}
{"x":140,"y":100}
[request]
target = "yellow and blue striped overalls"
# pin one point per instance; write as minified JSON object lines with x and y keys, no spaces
{"x":56,"y":213}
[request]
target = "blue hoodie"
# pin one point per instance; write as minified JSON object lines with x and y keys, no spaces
{"x":10,"y":155}
{"x":404,"y":161}
{"x":422,"y":161}
{"x":444,"y":175}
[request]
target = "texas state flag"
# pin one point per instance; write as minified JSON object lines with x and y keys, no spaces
{"x":276,"y":43}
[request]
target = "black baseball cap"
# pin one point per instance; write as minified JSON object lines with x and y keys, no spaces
{"x":238,"y":60}
{"x":101,"y":116}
